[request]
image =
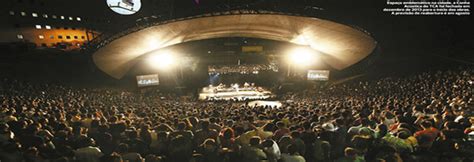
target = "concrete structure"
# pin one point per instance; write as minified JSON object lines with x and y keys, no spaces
{"x":339,"y":45}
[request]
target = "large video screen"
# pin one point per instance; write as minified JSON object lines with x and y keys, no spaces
{"x":319,"y":75}
{"x":148,"y":80}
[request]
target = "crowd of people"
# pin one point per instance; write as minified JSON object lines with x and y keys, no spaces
{"x":423,"y":117}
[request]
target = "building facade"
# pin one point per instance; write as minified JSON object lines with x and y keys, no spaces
{"x":45,"y":24}
{"x":66,"y":24}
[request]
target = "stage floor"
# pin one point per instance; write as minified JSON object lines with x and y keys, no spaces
{"x":234,"y":93}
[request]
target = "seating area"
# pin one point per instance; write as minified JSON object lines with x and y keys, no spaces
{"x":422,"y":117}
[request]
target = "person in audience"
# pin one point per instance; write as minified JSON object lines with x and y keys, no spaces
{"x":114,"y":157}
{"x":428,"y":130}
{"x":210,"y":151}
{"x":253,"y":152}
{"x":205,"y":132}
{"x":292,"y":155}
{"x":351,"y":155}
{"x":123,"y":151}
{"x":87,"y":152}
{"x":272,"y":150}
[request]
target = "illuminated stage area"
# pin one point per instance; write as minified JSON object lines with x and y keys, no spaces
{"x":339,"y":46}
{"x":234,"y":92}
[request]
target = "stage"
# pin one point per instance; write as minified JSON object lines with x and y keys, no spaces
{"x":234,"y":92}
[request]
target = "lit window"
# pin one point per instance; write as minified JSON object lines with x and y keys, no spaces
{"x":62,"y":17}
{"x":19,"y":36}
{"x":23,"y":13}
{"x":41,"y":36}
{"x":45,"y":16}
{"x":51,"y":36}
{"x":54,"y":16}
{"x":78,"y":19}
{"x":70,"y":18}
{"x":11,"y":13}
{"x":47,"y":27}
{"x":34,"y":14}
{"x":38,"y":26}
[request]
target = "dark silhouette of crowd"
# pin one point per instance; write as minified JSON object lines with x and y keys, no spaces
{"x":422,"y":117}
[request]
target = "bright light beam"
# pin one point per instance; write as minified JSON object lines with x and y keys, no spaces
{"x":162,"y":60}
{"x":302,"y":56}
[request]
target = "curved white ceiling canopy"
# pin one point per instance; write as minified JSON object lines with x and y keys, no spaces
{"x":341,"y":45}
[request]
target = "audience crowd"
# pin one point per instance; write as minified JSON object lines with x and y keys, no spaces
{"x":417,"y":118}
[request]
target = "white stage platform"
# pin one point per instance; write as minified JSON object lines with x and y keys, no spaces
{"x":234,"y":93}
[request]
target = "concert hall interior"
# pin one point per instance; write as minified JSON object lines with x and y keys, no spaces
{"x":236,"y":81}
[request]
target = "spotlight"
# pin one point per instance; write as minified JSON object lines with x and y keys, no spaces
{"x":302,"y":56}
{"x":162,"y":60}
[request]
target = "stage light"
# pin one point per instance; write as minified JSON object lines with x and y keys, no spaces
{"x":300,"y":40}
{"x":151,"y":43}
{"x":302,"y":56}
{"x":162,"y":60}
